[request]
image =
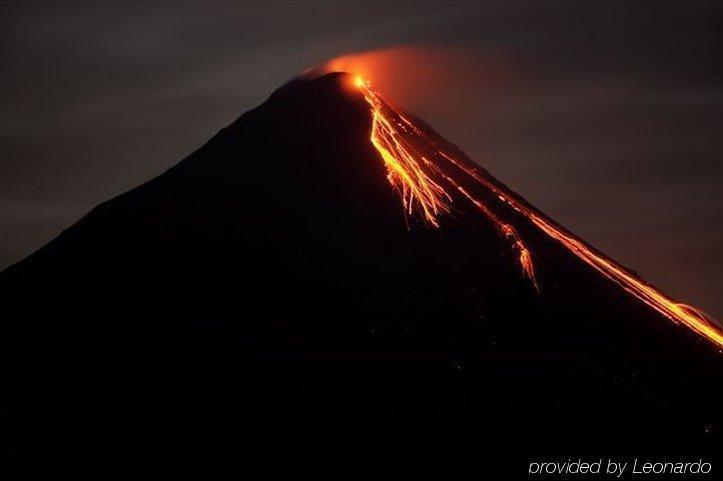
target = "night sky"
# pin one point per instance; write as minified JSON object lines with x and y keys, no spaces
{"x":609,"y":117}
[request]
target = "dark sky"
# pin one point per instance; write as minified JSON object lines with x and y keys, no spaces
{"x":607,"y":116}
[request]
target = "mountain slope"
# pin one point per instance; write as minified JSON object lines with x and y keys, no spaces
{"x":270,"y":296}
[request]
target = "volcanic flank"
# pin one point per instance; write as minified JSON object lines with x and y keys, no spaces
{"x":327,"y":275}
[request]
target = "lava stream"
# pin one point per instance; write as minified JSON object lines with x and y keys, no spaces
{"x":394,"y":136}
{"x":413,"y":175}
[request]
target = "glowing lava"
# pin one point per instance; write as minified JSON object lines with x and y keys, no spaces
{"x":414,"y":163}
{"x":405,"y":166}
{"x":401,"y":145}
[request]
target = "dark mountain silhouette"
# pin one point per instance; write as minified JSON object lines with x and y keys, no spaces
{"x":267,"y":301}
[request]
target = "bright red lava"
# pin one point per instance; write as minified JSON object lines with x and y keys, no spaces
{"x":414,"y":161}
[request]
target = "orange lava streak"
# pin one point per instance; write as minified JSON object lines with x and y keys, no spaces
{"x":677,"y":312}
{"x":508,"y":231}
{"x":406,"y":173}
{"x":404,"y":170}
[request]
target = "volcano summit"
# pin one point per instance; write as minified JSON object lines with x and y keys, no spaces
{"x":328,"y":276}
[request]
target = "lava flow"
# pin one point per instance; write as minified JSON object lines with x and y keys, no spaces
{"x":401,"y":145}
{"x":414,"y":163}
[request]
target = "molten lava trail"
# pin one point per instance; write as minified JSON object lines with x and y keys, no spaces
{"x":419,"y":180}
{"x":414,"y":161}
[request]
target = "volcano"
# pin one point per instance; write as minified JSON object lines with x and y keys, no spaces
{"x":328,"y":278}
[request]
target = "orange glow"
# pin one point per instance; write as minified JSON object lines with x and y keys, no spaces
{"x":421,"y":182}
{"x":430,"y":70}
{"x":382,"y":65}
